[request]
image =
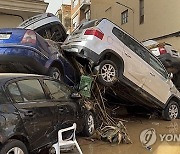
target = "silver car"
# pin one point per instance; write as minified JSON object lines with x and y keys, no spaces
{"x":125,"y":65}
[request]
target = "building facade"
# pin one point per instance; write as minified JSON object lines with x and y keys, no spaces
{"x":144,"y":19}
{"x":64,"y":15}
{"x":80,"y":12}
{"x":13,"y":12}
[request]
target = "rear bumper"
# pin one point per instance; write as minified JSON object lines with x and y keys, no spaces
{"x":24,"y":60}
{"x":82,"y":52}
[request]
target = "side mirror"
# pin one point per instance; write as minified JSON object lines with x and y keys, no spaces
{"x":170,"y":76}
{"x":75,"y":95}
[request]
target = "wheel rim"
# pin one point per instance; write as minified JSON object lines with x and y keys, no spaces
{"x":90,"y":124}
{"x":173,"y":111}
{"x":56,"y":75}
{"x":15,"y":150}
{"x":108,"y":73}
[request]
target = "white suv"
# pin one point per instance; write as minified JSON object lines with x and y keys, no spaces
{"x":134,"y":74}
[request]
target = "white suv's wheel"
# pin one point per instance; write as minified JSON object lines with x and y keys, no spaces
{"x":108,"y":73}
{"x":172,"y":111}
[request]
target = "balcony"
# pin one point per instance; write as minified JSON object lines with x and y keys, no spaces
{"x":84,"y":3}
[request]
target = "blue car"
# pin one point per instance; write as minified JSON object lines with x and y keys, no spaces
{"x":25,"y":51}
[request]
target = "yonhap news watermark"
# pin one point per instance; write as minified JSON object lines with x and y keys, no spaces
{"x":149,"y":136}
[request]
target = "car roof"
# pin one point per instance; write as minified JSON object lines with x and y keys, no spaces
{"x":4,"y":77}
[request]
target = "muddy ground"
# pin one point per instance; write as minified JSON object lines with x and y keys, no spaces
{"x":170,"y":130}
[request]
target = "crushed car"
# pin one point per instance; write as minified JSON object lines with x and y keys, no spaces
{"x":47,"y":25}
{"x":168,"y":56}
{"x":25,"y":51}
{"x":32,"y":110}
{"x":120,"y":62}
{"x":166,"y":53}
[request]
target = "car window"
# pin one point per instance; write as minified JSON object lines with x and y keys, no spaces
{"x":31,"y":90}
{"x":57,"y":89}
{"x":131,"y":43}
{"x":53,"y":31}
{"x":3,"y":98}
{"x":154,"y":62}
{"x":15,"y":93}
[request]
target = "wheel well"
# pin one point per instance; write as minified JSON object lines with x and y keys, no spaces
{"x":114,"y":58}
{"x":58,"y":65}
{"x":175,"y":99}
{"x":22,"y":139}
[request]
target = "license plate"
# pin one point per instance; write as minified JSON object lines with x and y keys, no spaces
{"x":4,"y":36}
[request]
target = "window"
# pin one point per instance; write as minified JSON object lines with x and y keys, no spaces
{"x":53,"y":31}
{"x":75,"y":21}
{"x":3,"y":98}
{"x":88,"y":15}
{"x":74,"y":3}
{"x":156,"y":64}
{"x":15,"y":93}
{"x":131,"y":43}
{"x":141,"y":11}
{"x":57,"y":90}
{"x":124,"y":17}
{"x":31,"y":90}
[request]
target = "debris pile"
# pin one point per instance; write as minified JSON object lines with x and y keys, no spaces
{"x":108,"y":128}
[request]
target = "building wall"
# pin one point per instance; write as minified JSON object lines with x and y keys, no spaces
{"x":13,"y":12}
{"x":161,"y":17}
{"x":64,"y":14}
{"x":79,"y":11}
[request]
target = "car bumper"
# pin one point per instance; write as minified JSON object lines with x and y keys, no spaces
{"x":19,"y":59}
{"x":82,"y":52}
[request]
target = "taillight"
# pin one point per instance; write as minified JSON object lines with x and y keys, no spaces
{"x":162,"y":50}
{"x":29,"y":37}
{"x":94,"y":32}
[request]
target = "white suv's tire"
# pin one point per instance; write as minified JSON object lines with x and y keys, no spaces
{"x":172,"y":111}
{"x":108,"y":73}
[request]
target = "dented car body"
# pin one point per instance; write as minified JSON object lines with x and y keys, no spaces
{"x":125,"y":65}
{"x":32,"y":110}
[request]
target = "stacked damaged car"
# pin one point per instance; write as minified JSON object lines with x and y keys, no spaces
{"x":125,"y":65}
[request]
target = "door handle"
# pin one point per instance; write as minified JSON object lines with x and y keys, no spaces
{"x":29,"y":113}
{"x":152,"y":74}
{"x":127,"y":55}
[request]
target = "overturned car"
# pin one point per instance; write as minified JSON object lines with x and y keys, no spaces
{"x":125,"y":65}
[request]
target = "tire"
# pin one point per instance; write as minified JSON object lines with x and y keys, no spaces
{"x":172,"y":111}
{"x":89,"y":126}
{"x":55,"y":73}
{"x":12,"y":145}
{"x":107,"y":77}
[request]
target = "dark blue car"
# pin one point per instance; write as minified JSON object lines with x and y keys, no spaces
{"x":25,"y":51}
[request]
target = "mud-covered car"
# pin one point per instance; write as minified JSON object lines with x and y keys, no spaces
{"x":32,"y":110}
{"x":134,"y":74}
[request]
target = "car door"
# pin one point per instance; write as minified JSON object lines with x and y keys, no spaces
{"x":158,"y":84}
{"x":68,"y":110}
{"x":135,"y":57}
{"x":36,"y":112}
